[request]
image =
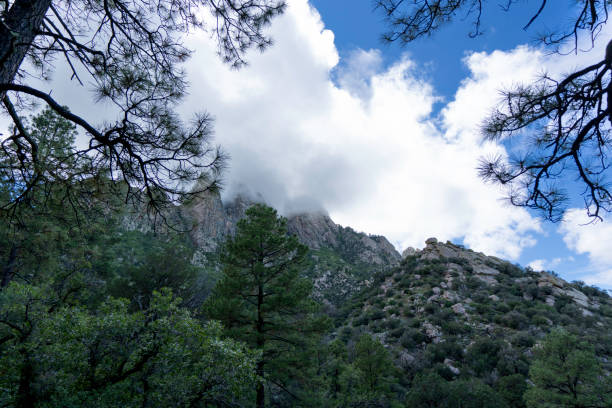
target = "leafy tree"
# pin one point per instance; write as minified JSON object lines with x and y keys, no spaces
{"x":566,"y":373}
{"x":428,"y":390}
{"x":136,"y":264}
{"x":511,"y":388}
{"x":72,"y":356}
{"x":565,"y":121}
{"x":66,"y":341}
{"x":131,"y":52}
{"x":472,"y":393}
{"x":374,"y":365}
{"x":263,"y":301}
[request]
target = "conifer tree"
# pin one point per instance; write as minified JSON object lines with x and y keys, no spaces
{"x":263,"y":301}
{"x":566,"y":373}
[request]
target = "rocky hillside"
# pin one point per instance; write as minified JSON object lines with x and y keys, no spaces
{"x":457,"y":311}
{"x":344,"y":261}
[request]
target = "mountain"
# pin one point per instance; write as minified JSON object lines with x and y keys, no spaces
{"x":451,"y":320}
{"x":458,"y":311}
{"x":343,"y":260}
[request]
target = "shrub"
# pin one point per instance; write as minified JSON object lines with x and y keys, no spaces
{"x":412,"y":337}
{"x":455,"y":328}
{"x":436,"y":353}
{"x":515,"y":320}
{"x":397,"y":332}
{"x":376,"y":313}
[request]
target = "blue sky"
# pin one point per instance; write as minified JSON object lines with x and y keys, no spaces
{"x":356,"y":25}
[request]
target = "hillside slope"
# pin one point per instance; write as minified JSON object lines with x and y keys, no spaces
{"x":463,"y":313}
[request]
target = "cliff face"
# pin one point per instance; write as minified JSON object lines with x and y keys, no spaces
{"x":343,"y":260}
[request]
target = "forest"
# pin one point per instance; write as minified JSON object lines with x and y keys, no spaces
{"x":108,"y":298}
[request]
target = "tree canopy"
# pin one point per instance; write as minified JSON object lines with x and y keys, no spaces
{"x":566,"y":373}
{"x":130,"y":53}
{"x":565,"y":122}
{"x":263,"y":300}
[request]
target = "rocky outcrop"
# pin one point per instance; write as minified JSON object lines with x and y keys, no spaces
{"x":314,"y":230}
{"x":488,"y":269}
{"x":445,"y":294}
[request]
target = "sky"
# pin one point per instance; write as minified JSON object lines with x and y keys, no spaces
{"x":385,"y":138}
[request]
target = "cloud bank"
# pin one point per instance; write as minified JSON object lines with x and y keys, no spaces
{"x":585,"y":236}
{"x":364,"y":145}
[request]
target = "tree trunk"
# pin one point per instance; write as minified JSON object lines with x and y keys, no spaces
{"x":261,"y":400}
{"x":25,"y":398}
{"x":9,"y":269}
{"x":18,"y":28}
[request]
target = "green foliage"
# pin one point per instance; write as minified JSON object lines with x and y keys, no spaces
{"x":72,"y":356}
{"x":431,"y":390}
{"x":141,"y":263}
{"x":483,"y":355}
{"x":511,"y":389}
{"x":437,"y":353}
{"x":566,"y":373}
{"x":263,"y":301}
{"x":374,"y":364}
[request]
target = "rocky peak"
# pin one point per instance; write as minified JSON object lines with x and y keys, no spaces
{"x":491,"y":270}
{"x":313,"y":229}
{"x":205,"y":218}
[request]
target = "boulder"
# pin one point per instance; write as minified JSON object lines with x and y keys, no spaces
{"x":458,"y":308}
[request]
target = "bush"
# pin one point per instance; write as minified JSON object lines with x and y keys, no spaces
{"x":362,"y":320}
{"x":431,"y":308}
{"x":345,"y":334}
{"x":523,"y":340}
{"x":515,"y":320}
{"x":376,"y":313}
{"x":483,"y":355}
{"x":412,"y":338}
{"x":455,"y":328}
{"x":436,"y":353}
{"x":397,"y":332}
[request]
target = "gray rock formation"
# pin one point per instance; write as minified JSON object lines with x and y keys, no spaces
{"x":345,"y":260}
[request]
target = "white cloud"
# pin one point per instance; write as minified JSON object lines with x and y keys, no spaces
{"x":584,"y":236}
{"x":537,"y":264}
{"x":365,"y":146}
{"x":548,"y":265}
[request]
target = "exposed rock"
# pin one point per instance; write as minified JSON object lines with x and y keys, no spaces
{"x":436,"y":290}
{"x":580,"y":298}
{"x":546,"y":279}
{"x":481,"y":269}
{"x":458,"y":308}
{"x":205,"y":216}
{"x":450,"y":296}
{"x":494,"y":298}
{"x":410,"y":251}
{"x":406,"y":359}
{"x":489,"y":280}
{"x":314,"y":230}
{"x":449,"y":363}
{"x":432,"y":332}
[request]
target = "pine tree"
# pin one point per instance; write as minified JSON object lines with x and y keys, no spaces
{"x":566,"y":373}
{"x":263,"y":301}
